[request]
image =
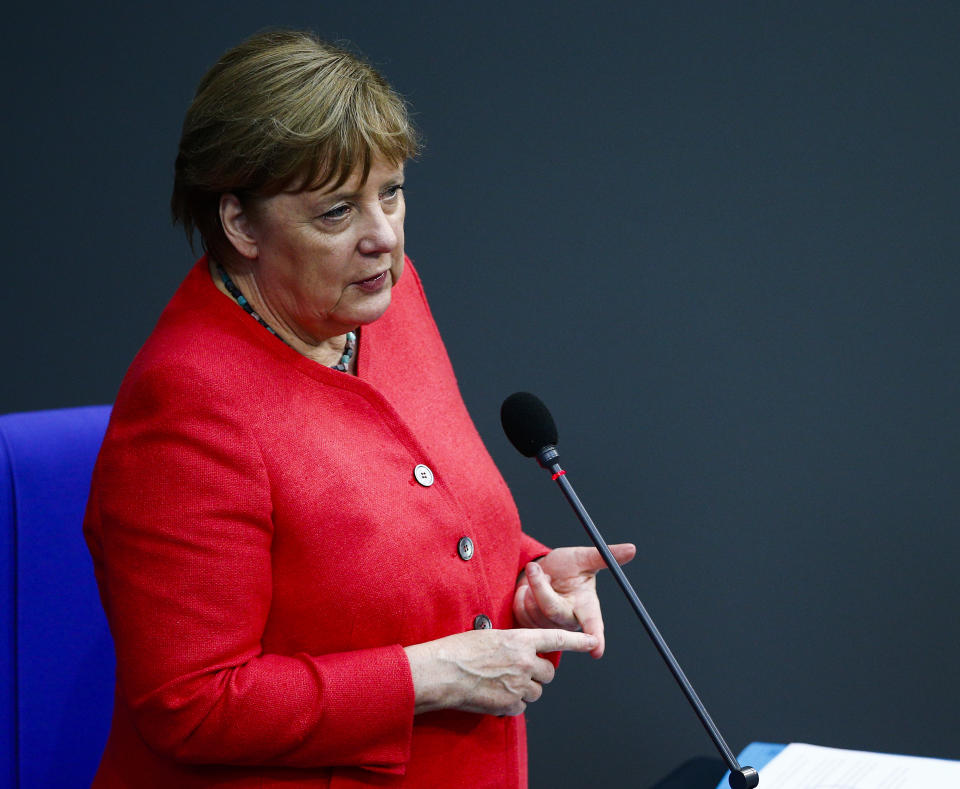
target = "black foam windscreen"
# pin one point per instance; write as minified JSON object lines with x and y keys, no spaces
{"x":527,"y":423}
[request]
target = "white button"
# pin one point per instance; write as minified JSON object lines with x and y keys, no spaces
{"x":423,"y":475}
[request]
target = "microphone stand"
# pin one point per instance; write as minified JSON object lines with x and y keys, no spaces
{"x":740,"y":777}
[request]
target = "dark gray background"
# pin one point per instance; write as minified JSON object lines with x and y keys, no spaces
{"x":719,"y":239}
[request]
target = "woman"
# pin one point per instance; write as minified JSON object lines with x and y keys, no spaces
{"x":307,"y":558}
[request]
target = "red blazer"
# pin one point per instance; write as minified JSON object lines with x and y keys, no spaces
{"x":264,"y":550}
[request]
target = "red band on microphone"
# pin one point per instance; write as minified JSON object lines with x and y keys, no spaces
{"x":560,"y":473}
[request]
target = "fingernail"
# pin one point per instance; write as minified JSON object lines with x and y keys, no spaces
{"x":534,"y":569}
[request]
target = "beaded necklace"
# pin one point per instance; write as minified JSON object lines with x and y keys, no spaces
{"x":343,"y":365}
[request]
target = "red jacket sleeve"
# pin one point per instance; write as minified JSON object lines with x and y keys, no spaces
{"x":530,"y":549}
{"x":179,"y":525}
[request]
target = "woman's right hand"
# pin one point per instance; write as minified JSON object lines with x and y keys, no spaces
{"x":495,"y":672}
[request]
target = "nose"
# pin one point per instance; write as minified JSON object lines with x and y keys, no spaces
{"x":381,"y":232}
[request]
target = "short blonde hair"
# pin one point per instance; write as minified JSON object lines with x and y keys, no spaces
{"x":283,"y":110}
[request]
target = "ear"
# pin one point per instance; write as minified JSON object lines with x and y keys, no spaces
{"x":237,"y":226}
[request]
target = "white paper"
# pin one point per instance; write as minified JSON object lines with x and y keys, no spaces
{"x":801,"y":766}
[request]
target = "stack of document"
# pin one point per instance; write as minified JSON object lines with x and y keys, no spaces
{"x":801,"y":766}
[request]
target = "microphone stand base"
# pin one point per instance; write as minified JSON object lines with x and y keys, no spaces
{"x":744,"y":778}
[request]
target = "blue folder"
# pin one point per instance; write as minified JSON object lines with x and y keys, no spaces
{"x":755,"y":755}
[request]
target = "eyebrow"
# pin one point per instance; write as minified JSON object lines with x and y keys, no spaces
{"x":341,"y":195}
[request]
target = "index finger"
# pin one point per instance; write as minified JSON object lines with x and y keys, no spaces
{"x":623,"y":552}
{"x":562,"y":641}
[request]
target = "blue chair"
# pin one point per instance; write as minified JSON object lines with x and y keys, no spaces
{"x":57,"y":662}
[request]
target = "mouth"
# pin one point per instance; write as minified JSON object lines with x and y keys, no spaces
{"x":374,"y":283}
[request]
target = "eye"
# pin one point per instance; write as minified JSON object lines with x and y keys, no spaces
{"x":391,"y":193}
{"x":336,"y":213}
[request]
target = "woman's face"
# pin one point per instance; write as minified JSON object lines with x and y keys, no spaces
{"x":326,"y":260}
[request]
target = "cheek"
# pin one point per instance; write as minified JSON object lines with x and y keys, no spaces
{"x":398,"y":252}
{"x":398,"y":229}
{"x":397,"y":268}
{"x":328,"y":262}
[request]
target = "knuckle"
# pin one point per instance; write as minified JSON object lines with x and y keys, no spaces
{"x":551,"y":609}
{"x":531,"y":607}
{"x":510,"y":638}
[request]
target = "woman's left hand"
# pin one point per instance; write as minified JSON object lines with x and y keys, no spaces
{"x":560,"y":590}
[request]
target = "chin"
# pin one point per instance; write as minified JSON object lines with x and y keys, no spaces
{"x":374,"y":308}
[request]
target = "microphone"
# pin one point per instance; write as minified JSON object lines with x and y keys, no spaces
{"x":532,"y":431}
{"x":528,"y":424}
